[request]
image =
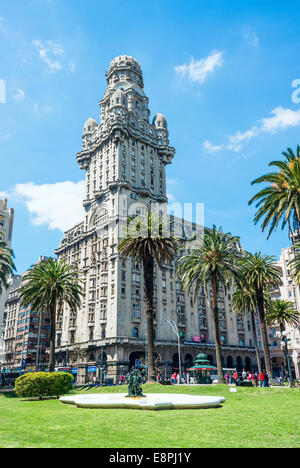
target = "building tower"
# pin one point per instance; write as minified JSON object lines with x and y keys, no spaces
{"x":6,"y":229}
{"x":125,"y":159}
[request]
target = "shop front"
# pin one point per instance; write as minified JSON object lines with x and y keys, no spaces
{"x":92,"y":373}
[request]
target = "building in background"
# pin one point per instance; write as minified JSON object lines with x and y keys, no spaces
{"x":26,"y":333}
{"x":10,"y":320}
{"x":289,"y":291}
{"x":6,"y":230}
{"x":125,"y":159}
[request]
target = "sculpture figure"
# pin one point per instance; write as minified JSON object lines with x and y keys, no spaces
{"x":134,"y":380}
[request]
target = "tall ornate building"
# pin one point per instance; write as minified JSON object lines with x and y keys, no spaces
{"x":125,"y":159}
{"x":6,"y":229}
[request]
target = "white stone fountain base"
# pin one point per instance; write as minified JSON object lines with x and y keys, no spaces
{"x":152,"y":401}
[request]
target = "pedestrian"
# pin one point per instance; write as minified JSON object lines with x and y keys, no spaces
{"x":174,"y":378}
{"x":256,"y":379}
{"x":158,"y":378}
{"x":235,"y":377}
{"x":188,"y":378}
{"x":267,"y":384}
{"x":244,"y":375}
{"x":262,"y":378}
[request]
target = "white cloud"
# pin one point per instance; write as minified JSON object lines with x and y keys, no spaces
{"x":280,"y":120}
{"x":210,"y":148}
{"x":57,"y":206}
{"x":48,"y":53}
{"x":250,"y":36}
{"x":237,"y":140}
{"x":198,"y":70}
{"x":45,"y":108}
{"x":19,"y":96}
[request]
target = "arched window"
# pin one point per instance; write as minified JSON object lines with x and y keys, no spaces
{"x":135,"y":332}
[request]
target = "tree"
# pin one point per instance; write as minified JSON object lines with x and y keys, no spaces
{"x":7,"y":265}
{"x":243,"y":302}
{"x":214,"y":263}
{"x":281,"y":312}
{"x":146,"y":239}
{"x":261,"y":273}
{"x":46,"y":286}
{"x":280,"y":201}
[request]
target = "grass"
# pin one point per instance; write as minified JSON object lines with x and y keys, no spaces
{"x":267,"y":417}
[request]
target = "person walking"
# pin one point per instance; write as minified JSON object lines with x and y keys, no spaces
{"x":267,"y":384}
{"x":256,"y":379}
{"x":158,"y":378}
{"x":262,"y":378}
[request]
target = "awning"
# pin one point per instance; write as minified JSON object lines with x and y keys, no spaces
{"x":201,"y":368}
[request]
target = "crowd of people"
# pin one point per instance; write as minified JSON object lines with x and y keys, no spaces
{"x":256,"y":379}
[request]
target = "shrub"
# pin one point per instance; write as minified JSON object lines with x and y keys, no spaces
{"x":43,"y":384}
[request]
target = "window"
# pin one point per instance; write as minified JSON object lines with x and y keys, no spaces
{"x":135,"y":332}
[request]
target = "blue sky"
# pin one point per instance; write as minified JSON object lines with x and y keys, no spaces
{"x":220,"y":71}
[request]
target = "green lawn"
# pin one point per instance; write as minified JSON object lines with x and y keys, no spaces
{"x":249,"y":418}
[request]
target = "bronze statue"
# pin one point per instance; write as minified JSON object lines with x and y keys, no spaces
{"x":134,"y":380}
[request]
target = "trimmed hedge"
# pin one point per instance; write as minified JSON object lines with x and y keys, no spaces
{"x":43,"y":384}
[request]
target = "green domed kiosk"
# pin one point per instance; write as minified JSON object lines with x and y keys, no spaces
{"x":202,"y":369}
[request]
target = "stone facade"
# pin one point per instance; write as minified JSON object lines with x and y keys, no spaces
{"x":6,"y":229}
{"x":289,"y":291}
{"x":125,"y":158}
{"x":26,"y":332}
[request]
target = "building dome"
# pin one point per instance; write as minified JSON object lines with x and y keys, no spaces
{"x":125,"y":67}
{"x":89,"y":125}
{"x":160,"y":121}
{"x":124,"y":61}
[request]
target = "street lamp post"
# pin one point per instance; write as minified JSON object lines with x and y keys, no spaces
{"x":284,"y":345}
{"x":67,"y":354}
{"x":101,"y":364}
{"x":174,"y":327}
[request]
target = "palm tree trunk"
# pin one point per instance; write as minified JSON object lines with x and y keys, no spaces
{"x":148,"y":267}
{"x":52,"y":334}
{"x":263,"y":328}
{"x":217,"y":328}
{"x":255,"y":342}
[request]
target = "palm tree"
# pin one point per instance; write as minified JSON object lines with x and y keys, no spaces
{"x":261,"y":273}
{"x":145,"y":241}
{"x":243,"y":302}
{"x":46,"y":286}
{"x":281,"y":312}
{"x":213,"y":263}
{"x":280,"y":201}
{"x":7,"y":265}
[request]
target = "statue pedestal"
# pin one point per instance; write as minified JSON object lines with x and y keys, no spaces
{"x":152,"y":401}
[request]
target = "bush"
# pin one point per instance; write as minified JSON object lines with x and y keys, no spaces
{"x":43,"y":384}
